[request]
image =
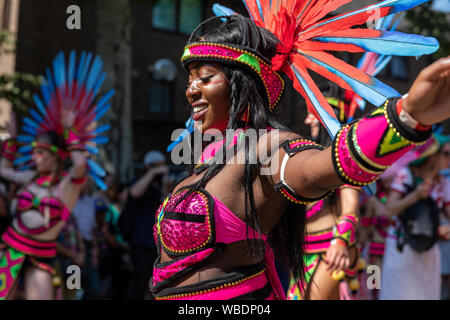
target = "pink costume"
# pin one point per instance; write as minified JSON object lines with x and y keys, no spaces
{"x":196,"y":230}
{"x":19,"y":247}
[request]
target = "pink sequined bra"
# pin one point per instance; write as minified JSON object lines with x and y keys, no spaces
{"x":195,"y":229}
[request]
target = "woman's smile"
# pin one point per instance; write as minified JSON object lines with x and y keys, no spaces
{"x":208,"y":95}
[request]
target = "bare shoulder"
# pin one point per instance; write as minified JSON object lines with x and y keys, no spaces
{"x":273,"y":138}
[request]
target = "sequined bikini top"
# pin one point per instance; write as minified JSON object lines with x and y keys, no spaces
{"x":51,"y":207}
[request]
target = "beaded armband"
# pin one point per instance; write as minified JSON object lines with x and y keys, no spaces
{"x":345,"y":229}
{"x":72,"y":141}
{"x":292,"y":147}
{"x":364,"y":149}
{"x":9,"y":149}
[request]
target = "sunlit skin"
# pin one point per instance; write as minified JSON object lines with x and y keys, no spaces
{"x":208,"y":86}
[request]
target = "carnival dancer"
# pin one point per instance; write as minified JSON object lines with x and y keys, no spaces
{"x":329,"y":260}
{"x":62,"y":128}
{"x":213,"y":230}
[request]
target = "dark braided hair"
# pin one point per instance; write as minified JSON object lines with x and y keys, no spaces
{"x":248,"y":91}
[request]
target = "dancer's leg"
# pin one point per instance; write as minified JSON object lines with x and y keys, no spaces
{"x":38,"y":284}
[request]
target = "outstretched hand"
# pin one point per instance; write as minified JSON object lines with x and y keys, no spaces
{"x":428,"y":100}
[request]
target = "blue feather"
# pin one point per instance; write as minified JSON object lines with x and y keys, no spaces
{"x":25,"y":138}
{"x":30,"y":130}
{"x":260,"y":9}
{"x":25,"y":149}
{"x":390,"y":43}
{"x":80,"y":67}
{"x":98,"y":181}
{"x":22,"y":159}
{"x":96,"y":168}
{"x":99,"y":83}
{"x":30,"y":122}
{"x":220,"y":10}
{"x":94,"y":73}
{"x":331,"y":124}
{"x":91,"y":149}
{"x":105,"y":98}
{"x":102,"y":129}
{"x":58,"y":71}
{"x":26,"y":166}
{"x":188,"y":131}
{"x":50,"y":83}
{"x":86,"y":68}
{"x":382,"y":62}
{"x":36,"y":116}
{"x":100,"y":112}
{"x":375,"y":92}
{"x":39,"y":104}
{"x":393,"y":5}
{"x":100,"y":139}
{"x":71,"y":70}
{"x":46,"y":93}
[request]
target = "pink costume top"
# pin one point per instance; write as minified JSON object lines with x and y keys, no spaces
{"x":20,"y":234}
{"x":195,"y":230}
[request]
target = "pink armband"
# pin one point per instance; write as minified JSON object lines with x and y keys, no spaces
{"x":364,"y":149}
{"x":346,"y":229}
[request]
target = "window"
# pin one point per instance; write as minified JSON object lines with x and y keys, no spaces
{"x":160,"y":96}
{"x":177,"y":15}
{"x":191,"y":15}
{"x":164,"y":15}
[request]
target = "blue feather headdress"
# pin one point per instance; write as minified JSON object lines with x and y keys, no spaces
{"x":72,"y":85}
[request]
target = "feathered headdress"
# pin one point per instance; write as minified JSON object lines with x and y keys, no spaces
{"x":306,"y":35}
{"x":74,"y":86}
{"x":373,"y":63}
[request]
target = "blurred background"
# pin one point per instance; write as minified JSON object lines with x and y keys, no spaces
{"x":141,"y":42}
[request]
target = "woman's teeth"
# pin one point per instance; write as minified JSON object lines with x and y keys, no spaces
{"x":200,"y":108}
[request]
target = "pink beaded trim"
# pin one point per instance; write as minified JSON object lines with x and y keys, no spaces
{"x":351,"y":170}
{"x":273,"y":82}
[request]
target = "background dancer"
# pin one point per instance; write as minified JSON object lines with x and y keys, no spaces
{"x":60,"y":129}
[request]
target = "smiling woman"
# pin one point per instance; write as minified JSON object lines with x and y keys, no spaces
{"x":207,"y":93}
{"x":218,"y":229}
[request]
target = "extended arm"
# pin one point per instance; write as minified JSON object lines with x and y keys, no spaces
{"x":364,"y":149}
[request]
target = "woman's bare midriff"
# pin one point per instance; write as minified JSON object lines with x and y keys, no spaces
{"x":234,"y":256}
{"x":49,"y":235}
